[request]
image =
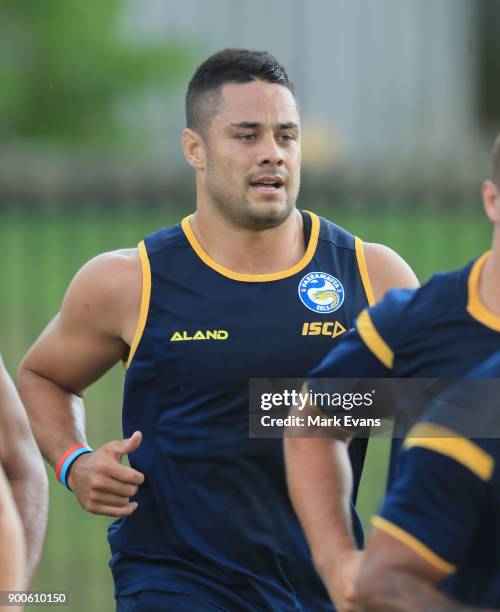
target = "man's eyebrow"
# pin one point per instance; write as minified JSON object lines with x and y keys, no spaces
{"x":245,"y":124}
{"x":289,"y":125}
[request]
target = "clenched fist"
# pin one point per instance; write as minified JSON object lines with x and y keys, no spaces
{"x":102,"y":484}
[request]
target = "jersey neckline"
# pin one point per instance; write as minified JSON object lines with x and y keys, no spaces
{"x":475,"y":306}
{"x":254,"y":278}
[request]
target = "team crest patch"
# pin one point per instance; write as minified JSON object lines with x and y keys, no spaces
{"x":321,"y":292}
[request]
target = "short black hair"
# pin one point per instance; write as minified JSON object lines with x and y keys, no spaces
{"x":228,"y":66}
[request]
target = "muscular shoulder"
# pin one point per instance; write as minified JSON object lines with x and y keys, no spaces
{"x":110,"y":270}
{"x":106,"y":291}
{"x":387,"y":270}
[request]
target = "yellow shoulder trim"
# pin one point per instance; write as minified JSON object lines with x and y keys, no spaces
{"x":363,"y":270}
{"x":254,"y":278}
{"x":447,"y":442}
{"x":412,"y":542}
{"x":146,"y":295}
{"x":374,"y":340}
{"x":474,"y":305}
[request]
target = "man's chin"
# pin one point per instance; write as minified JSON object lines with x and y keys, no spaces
{"x":268,"y":213}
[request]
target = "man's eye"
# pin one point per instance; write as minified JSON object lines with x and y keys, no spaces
{"x":287,"y":137}
{"x":246,"y":137}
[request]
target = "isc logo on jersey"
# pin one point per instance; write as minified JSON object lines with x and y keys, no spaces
{"x":334,"y":329}
{"x":321,"y":292}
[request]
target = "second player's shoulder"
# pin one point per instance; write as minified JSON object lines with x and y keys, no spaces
{"x":418,"y":308}
{"x":387,"y":270}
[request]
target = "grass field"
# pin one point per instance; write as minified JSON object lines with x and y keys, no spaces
{"x":42,"y":251}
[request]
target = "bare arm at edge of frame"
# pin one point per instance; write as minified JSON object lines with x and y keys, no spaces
{"x":12,"y":543}
{"x":25,"y":472}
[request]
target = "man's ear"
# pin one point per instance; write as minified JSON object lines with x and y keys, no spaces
{"x":491,"y":201}
{"x":194,"y":149}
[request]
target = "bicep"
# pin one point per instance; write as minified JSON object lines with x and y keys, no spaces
{"x":72,"y":355}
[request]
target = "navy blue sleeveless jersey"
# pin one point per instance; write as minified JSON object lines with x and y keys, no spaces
{"x":441,"y":330}
{"x":214,"y":517}
{"x":445,"y":501}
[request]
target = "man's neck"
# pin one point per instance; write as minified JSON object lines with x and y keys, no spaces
{"x":248,"y":251}
{"x":489,"y":283}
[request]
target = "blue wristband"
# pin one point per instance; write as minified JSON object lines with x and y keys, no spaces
{"x":67,"y":461}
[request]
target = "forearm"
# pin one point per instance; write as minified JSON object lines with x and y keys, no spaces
{"x":101,"y":484}
{"x":31,"y":497}
{"x":320,"y":484}
{"x":25,"y":472}
{"x":12,"y":545}
{"x":56,"y":415}
{"x":405,"y":592}
{"x":12,"y":556}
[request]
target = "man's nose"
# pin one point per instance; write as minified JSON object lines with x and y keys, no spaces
{"x":270,"y":152}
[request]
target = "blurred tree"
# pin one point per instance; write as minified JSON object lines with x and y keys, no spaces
{"x":66,"y":67}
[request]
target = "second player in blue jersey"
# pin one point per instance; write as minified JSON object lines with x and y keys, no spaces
{"x":440,"y":522}
{"x":442,"y":330}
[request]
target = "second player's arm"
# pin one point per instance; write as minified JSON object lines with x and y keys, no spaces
{"x":320,"y":486}
{"x":427,"y":526}
{"x":394,"y":578}
{"x":318,"y":469}
{"x":89,"y":335}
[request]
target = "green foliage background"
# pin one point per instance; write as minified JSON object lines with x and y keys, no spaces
{"x":66,"y":68}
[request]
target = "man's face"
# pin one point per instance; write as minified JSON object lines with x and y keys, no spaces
{"x":253,"y":154}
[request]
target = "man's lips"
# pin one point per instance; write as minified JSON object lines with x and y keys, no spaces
{"x":268,"y":183}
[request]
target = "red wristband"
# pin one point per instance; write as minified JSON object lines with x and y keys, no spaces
{"x":67,"y":459}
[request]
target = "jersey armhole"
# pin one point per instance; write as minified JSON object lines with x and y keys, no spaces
{"x":446,"y":442}
{"x":145,"y":299}
{"x":363,"y":271}
{"x":414,"y":543}
{"x":373,"y":340}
